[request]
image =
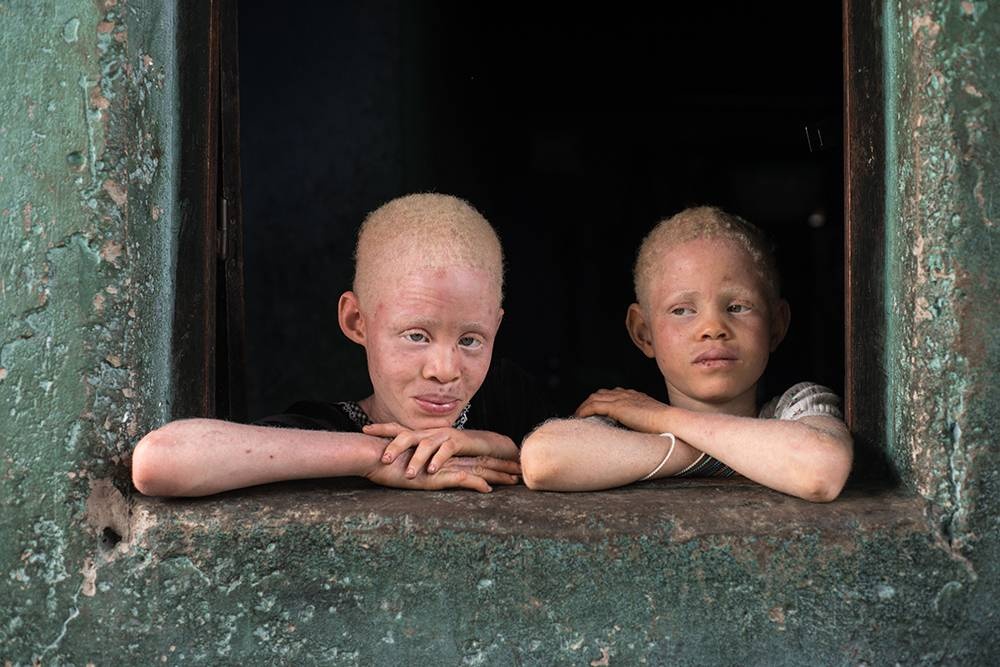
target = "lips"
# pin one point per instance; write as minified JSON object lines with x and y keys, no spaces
{"x":715,"y":358}
{"x":434,"y":404}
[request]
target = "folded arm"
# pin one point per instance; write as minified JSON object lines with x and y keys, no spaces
{"x":588,"y":455}
{"x":809,"y":458}
{"x":199,"y":457}
{"x":434,"y":447}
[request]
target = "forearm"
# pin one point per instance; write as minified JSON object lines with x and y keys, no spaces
{"x":584,"y":455}
{"x":809,"y":458}
{"x":198,"y":457}
{"x":494,"y":444}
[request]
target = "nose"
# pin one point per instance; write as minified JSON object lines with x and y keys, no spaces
{"x":714,"y":327}
{"x":442,"y":364}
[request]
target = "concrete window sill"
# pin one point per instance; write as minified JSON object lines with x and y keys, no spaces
{"x":673,"y":511}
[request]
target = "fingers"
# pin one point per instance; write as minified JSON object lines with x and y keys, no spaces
{"x":400,"y":443}
{"x":495,"y":476}
{"x":592,"y":406}
{"x":444,"y":452}
{"x":455,"y":478}
{"x":426,"y":448}
{"x":500,"y":465}
{"x":387,"y":430}
{"x":493,"y":470}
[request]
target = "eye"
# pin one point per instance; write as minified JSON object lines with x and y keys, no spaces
{"x":681,"y":311}
{"x":470,"y":342}
{"x":739,"y":308}
{"x":415,"y":337}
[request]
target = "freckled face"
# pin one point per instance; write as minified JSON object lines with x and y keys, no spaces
{"x":711,"y":325}
{"x":429,"y":341}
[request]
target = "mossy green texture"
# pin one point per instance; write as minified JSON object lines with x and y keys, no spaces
{"x":85,"y":232}
{"x":943,"y":222}
{"x":713,"y":573}
{"x":345,"y":574}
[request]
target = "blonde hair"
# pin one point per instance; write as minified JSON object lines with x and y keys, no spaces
{"x":703,"y":222}
{"x":426,"y":230}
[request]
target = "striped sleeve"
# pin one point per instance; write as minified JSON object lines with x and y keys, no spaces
{"x":805,"y":399}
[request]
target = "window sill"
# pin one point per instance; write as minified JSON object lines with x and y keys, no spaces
{"x":674,"y":510}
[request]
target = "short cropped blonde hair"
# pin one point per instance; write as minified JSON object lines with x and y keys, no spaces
{"x":426,"y":230}
{"x":699,"y":223}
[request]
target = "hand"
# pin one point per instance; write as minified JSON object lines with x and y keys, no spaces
{"x":467,"y":472}
{"x":437,"y":445}
{"x":628,"y":407}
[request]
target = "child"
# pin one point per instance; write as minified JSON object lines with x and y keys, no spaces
{"x":426,"y":306}
{"x":709,"y":313}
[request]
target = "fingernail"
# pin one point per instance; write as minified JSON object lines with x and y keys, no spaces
{"x":432,"y":468}
{"x":410,"y":472}
{"x":387,"y":458}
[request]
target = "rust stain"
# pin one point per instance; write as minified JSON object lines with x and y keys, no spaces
{"x":110,"y":252}
{"x":928,"y":22}
{"x":105,"y":27}
{"x":97,"y":100}
{"x":26,"y":217}
{"x":603,"y":661}
{"x":115,"y":190}
{"x":89,"y":572}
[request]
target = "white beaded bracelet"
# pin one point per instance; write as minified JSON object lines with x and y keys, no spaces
{"x":673,"y":443}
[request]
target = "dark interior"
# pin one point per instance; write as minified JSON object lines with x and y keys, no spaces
{"x":572,"y":131}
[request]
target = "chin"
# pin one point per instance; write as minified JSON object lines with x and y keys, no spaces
{"x":422,"y":422}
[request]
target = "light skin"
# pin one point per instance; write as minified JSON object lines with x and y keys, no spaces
{"x":428,"y":337}
{"x":711,"y":323}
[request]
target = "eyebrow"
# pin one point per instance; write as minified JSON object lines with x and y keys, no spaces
{"x":689,"y":295}
{"x":424,"y":323}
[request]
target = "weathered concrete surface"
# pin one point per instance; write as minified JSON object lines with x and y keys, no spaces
{"x":689,"y":573}
{"x":943,"y":191}
{"x":662,"y":574}
{"x":85,"y":231}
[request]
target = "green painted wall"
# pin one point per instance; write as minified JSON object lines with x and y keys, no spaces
{"x":943,"y":248}
{"x":86,"y":210}
{"x":342,"y":574}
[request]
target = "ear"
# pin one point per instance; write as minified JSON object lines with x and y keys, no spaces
{"x":780,"y":320}
{"x":352,"y":321}
{"x":638,"y":330}
{"x":499,"y":318}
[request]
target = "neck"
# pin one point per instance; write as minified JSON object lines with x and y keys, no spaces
{"x":374,"y":410}
{"x":744,"y":405}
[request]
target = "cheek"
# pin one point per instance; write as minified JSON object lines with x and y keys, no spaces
{"x":387,"y":361}
{"x":476,"y":367}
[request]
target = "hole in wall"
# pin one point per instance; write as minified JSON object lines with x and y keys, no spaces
{"x":109,"y":538}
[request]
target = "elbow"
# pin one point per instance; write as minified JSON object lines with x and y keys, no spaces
{"x":153,"y":472}
{"x":540,"y":460}
{"x":821,"y":490}
{"x":824,"y":486}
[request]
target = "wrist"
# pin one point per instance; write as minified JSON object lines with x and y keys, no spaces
{"x":664,"y":419}
{"x":367,"y":455}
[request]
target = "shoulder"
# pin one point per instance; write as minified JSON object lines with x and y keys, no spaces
{"x":318,"y":416}
{"x":803,"y":400}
